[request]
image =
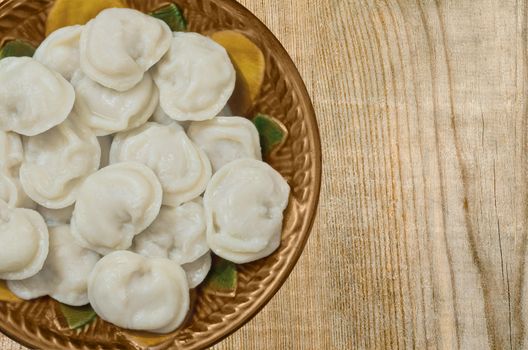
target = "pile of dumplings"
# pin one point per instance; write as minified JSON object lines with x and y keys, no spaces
{"x":117,"y":176}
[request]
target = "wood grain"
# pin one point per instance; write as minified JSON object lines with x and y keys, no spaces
{"x":420,"y":241}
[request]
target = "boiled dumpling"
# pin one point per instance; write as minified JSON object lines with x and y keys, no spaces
{"x":60,"y":51}
{"x":105,"y":142}
{"x":225,"y":139}
{"x":160,"y":117}
{"x":197,"y":270}
{"x":13,"y":194}
{"x":11,"y":157}
{"x":11,"y":153}
{"x":33,"y":98}
{"x":182,"y":168}
{"x":56,"y":217}
{"x":115,"y":204}
{"x":243,"y":204}
{"x":9,"y":191}
{"x":119,"y":45}
{"x":23,"y":242}
{"x":56,"y":163}
{"x":196,"y":78}
{"x":135,"y":292}
{"x":178,"y":233}
{"x":64,"y":276}
{"x":106,"y":111}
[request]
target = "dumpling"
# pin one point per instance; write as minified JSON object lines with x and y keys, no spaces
{"x":243,"y":204}
{"x":197,"y":270}
{"x":135,"y":292}
{"x":119,"y":45}
{"x":60,"y":51}
{"x":178,"y":233}
{"x":106,"y":111}
{"x":11,"y":153}
{"x":196,"y":78}
{"x":33,"y":98}
{"x":23,"y":242}
{"x":64,"y":276}
{"x":56,"y":163}
{"x":13,"y":194}
{"x":115,"y":204}
{"x":105,"y":142}
{"x":11,"y":157}
{"x":225,"y":139}
{"x":56,"y":217}
{"x":182,"y":168}
{"x":8,"y":191}
{"x":160,"y":117}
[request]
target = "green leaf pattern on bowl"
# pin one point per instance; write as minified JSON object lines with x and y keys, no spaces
{"x":77,"y":316}
{"x":222,"y":278}
{"x":272,"y":133}
{"x":173,"y":16}
{"x":17,"y":48}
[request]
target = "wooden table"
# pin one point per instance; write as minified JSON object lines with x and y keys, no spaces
{"x":421,"y":236}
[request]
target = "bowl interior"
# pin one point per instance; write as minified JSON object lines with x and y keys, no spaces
{"x":283,"y":96}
